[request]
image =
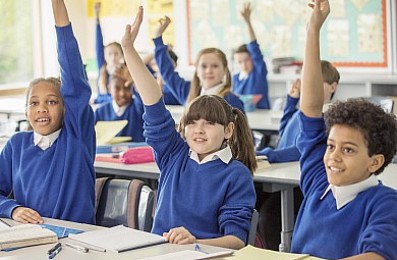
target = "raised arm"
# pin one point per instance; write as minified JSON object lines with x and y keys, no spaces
{"x":163,"y":25}
{"x":246,"y":13}
{"x":60,"y":13}
{"x":146,"y":85}
{"x":99,"y":49}
{"x":312,"y":92}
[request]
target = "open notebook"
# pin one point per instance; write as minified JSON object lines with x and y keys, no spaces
{"x":116,"y":239}
{"x":106,"y":132}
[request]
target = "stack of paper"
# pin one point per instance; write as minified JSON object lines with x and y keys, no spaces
{"x":116,"y":239}
{"x":26,"y":235}
{"x":253,"y":253}
{"x":106,"y":132}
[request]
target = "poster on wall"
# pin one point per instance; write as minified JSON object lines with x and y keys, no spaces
{"x":354,"y":35}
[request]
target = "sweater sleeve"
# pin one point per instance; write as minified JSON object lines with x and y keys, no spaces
{"x":7,"y":205}
{"x":75,"y":89}
{"x":311,"y":144}
{"x":257,"y":58}
{"x":289,"y":154}
{"x":99,"y":48}
{"x":289,"y":110}
{"x":176,"y":84}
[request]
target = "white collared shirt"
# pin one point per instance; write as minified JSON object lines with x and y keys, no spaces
{"x":225,"y":155}
{"x":345,"y":194}
{"x":242,"y":75}
{"x":213,"y":90}
{"x":118,"y":110}
{"x":45,"y":141}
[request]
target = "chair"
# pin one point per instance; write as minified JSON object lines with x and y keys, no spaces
{"x":124,"y":202}
{"x":253,"y":228}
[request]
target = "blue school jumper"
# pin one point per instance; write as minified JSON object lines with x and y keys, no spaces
{"x":176,"y":84}
{"x":133,"y":114}
{"x":58,"y":182}
{"x":100,"y":59}
{"x":256,"y":82}
{"x":210,"y":200}
{"x":286,"y":150}
{"x":366,"y":224}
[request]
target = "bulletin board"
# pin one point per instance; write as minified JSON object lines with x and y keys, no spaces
{"x":355,"y":34}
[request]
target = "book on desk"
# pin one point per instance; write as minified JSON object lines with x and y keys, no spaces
{"x":26,"y":235}
{"x":116,"y":239}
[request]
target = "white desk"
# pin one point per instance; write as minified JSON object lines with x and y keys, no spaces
{"x":40,"y":252}
{"x":281,"y":177}
{"x":259,"y":119}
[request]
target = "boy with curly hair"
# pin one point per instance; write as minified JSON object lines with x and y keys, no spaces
{"x":346,"y":211}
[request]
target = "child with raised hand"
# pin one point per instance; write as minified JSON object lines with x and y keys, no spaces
{"x":211,"y":77}
{"x":346,"y":211}
{"x":109,"y":58}
{"x":124,"y":105}
{"x":50,"y":170}
{"x":206,"y":193}
{"x":252,"y":78}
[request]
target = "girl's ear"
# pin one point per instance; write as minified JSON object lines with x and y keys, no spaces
{"x":229,"y":129}
{"x":377,"y":161}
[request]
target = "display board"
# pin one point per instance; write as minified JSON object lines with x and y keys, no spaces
{"x":355,"y":34}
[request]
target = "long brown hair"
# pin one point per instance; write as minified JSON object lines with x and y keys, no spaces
{"x":195,"y":86}
{"x":103,"y":73}
{"x":216,"y":109}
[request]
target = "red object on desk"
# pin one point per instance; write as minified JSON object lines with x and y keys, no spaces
{"x":131,"y":156}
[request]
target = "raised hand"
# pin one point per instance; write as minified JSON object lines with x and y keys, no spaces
{"x":295,"y":89}
{"x":321,"y":9}
{"x":246,"y":12}
{"x":163,"y":24}
{"x":131,"y":30}
{"x":97,"y":9}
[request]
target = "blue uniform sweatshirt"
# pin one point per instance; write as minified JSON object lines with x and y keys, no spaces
{"x":133,"y":114}
{"x":366,"y":224}
{"x":210,"y":200}
{"x":175,"y":83}
{"x":256,"y":82}
{"x":58,"y":182}
{"x":286,"y":150}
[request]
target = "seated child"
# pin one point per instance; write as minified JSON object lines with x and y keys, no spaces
{"x":50,"y":170}
{"x":206,"y":193}
{"x":124,"y":106}
{"x":346,"y":212}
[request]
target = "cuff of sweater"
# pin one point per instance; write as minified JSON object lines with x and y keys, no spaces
{"x":64,"y":32}
{"x":7,"y":208}
{"x":158,"y":41}
{"x":237,"y":232}
{"x":310,"y":124}
{"x":155,"y":113}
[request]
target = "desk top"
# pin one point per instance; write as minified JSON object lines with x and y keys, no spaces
{"x":40,"y":252}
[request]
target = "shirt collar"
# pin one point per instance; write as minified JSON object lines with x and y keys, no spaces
{"x":118,"y":110}
{"x":242,"y":75}
{"x":45,"y":141}
{"x":225,"y":155}
{"x":213,"y":90}
{"x":345,"y":194}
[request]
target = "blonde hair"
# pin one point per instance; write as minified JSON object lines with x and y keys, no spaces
{"x":195,"y":86}
{"x":103,"y":73}
{"x":216,"y":109}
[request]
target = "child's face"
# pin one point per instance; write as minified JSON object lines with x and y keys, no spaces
{"x":206,"y":137}
{"x":120,"y":93}
{"x":45,"y":108}
{"x":244,"y":61}
{"x":346,"y":158}
{"x":210,"y":70}
{"x":113,"y":57}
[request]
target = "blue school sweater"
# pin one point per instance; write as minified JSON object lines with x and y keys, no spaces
{"x":286,"y":150}
{"x":133,"y":114}
{"x":58,"y":182}
{"x":256,"y":82}
{"x":175,"y":83}
{"x":210,"y":200}
{"x":100,"y":59}
{"x":366,"y":224}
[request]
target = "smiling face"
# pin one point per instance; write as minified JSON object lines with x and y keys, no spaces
{"x":113,"y":56}
{"x":346,"y":158}
{"x":45,"y":108}
{"x":205,"y":137}
{"x":210,"y":70}
{"x":120,"y":93}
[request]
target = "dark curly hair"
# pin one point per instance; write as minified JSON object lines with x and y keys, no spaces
{"x":378,"y":127}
